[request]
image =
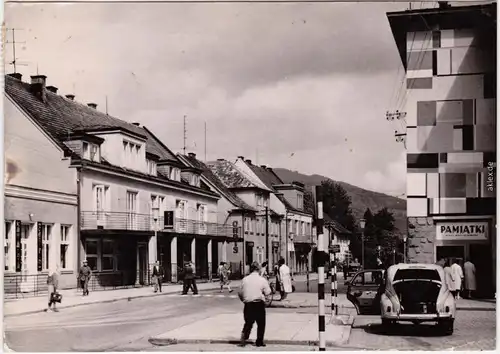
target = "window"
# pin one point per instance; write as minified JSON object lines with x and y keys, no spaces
{"x":151,"y":167}
{"x":94,"y":153}
{"x":131,"y":153}
{"x":85,"y":150}
{"x":247,"y":224}
{"x":260,"y":200}
{"x":195,"y":180}
{"x":368,"y":278}
{"x":64,"y":247}
{"x":131,"y":208}
{"x":300,"y":201}
{"x":91,"y":252}
{"x":7,"y":245}
{"x":25,"y":234}
{"x":202,"y":211}
{"x":108,"y":255}
{"x":175,"y":174}
{"x":46,"y":233}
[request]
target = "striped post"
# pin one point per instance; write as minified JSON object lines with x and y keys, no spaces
{"x":321,"y":272}
{"x":335,"y":307}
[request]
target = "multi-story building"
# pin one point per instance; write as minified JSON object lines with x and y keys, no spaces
{"x":41,"y":224}
{"x":286,"y":200}
{"x":339,"y":235}
{"x":255,"y":195}
{"x":231,"y":211}
{"x":449,"y":54}
{"x":137,"y":201}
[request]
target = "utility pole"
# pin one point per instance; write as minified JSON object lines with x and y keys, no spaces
{"x":185,"y":135}
{"x":321,"y":271}
{"x":267,"y":238}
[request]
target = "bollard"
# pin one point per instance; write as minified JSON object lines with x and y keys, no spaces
{"x":321,"y":272}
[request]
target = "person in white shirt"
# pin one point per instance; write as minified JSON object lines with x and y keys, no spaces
{"x":285,"y":279}
{"x":458,"y":275}
{"x":253,"y":290}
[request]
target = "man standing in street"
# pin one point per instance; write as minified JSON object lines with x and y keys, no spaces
{"x":157,"y":276}
{"x":84,"y":277}
{"x":189,"y":281}
{"x":254,"y":289}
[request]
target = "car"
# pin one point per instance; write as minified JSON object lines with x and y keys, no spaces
{"x":414,"y":293}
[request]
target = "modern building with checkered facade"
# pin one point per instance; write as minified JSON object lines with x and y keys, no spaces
{"x":449,"y":54}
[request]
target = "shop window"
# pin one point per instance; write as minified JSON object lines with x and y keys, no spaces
{"x":64,"y":247}
{"x":91,"y":251}
{"x":108,"y":255}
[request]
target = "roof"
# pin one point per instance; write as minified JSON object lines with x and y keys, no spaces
{"x":229,"y":175}
{"x":217,"y":183}
{"x":267,"y":176}
{"x":336,"y":225}
{"x":453,"y":17}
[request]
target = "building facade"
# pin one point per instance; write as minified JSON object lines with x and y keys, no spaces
{"x":449,"y":55}
{"x":40,"y":207}
{"x":137,"y":201}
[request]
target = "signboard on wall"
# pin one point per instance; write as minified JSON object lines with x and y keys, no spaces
{"x":458,"y":230}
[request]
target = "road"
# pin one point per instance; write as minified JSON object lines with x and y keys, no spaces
{"x":301,"y":286}
{"x":127,"y":326}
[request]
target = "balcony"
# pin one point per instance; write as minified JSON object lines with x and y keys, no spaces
{"x":91,"y":220}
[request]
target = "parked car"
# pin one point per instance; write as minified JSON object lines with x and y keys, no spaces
{"x":353,"y":268}
{"x":405,"y":292}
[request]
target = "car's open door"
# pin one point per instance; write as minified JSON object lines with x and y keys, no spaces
{"x":364,"y":291}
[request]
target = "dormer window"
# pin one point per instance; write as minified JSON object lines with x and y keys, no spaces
{"x":195,"y":180}
{"x":91,"y":152}
{"x":175,"y":174}
{"x":151,"y":167}
{"x":131,"y":154}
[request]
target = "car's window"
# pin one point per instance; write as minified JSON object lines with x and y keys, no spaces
{"x":368,"y":278}
{"x":417,"y":274}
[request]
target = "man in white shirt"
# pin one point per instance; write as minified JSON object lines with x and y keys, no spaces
{"x":253,"y":290}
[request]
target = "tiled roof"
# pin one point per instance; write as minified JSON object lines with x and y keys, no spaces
{"x":230,"y":175}
{"x":222,"y":189}
{"x":269,"y":178}
{"x":336,"y":225}
{"x":60,"y":116}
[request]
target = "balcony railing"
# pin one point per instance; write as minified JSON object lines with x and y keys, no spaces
{"x":91,"y":220}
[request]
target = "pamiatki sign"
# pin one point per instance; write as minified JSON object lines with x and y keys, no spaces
{"x":470,"y":231}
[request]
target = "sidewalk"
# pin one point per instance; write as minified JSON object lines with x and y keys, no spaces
{"x":305,"y":300}
{"x":73,"y":297}
{"x":281,"y":328}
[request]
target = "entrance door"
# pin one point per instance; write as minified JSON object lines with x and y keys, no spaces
{"x":143,"y":264}
{"x":249,"y":253}
{"x":480,"y":256}
{"x":450,"y":252}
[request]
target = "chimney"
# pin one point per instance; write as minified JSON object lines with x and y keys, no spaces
{"x":17,"y":76}
{"x":136,"y":124}
{"x":192,"y":155}
{"x":241,"y":157}
{"x":52,"y":89}
{"x":70,"y":97}
{"x":263,"y":166}
{"x":92,"y":105}
{"x":220,"y":159}
{"x":38,"y":87}
{"x":443,"y":5}
{"x":248,"y":162}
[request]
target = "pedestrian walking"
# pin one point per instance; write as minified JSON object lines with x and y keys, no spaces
{"x":158,"y":274}
{"x":224,"y":273}
{"x":189,"y":279}
{"x":285,"y":279}
{"x":53,"y":285}
{"x":470,"y":278}
{"x":345,"y":269}
{"x":84,"y":277}
{"x":458,"y":276}
{"x":254,"y":289}
{"x":263,"y":270}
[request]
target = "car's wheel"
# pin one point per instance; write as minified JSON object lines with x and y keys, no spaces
{"x":446,"y":326}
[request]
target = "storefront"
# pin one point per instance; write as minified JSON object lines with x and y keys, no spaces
{"x":469,"y":239}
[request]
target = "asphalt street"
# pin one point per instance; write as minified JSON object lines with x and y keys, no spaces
{"x":301,"y":286}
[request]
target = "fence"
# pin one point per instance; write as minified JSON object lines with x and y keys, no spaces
{"x":24,"y":285}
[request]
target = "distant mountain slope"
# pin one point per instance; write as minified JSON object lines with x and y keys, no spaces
{"x":361,"y":198}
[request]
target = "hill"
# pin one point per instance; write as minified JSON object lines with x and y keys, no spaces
{"x":361,"y":198}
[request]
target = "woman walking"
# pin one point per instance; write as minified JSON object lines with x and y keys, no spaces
{"x":224,"y":273}
{"x":285,"y":279}
{"x":53,"y":284}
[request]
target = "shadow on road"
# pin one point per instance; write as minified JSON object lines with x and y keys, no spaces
{"x":404,"y":329}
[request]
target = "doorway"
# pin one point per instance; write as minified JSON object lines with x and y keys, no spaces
{"x":143,"y":264}
{"x":480,"y":256}
{"x":450,"y":252}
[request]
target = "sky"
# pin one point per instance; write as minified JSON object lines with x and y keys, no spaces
{"x":303,"y":86}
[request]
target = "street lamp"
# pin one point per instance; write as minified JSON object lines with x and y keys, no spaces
{"x":362,"y":223}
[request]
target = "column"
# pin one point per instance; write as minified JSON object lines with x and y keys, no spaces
{"x":193,"y":252}
{"x":224,"y":251}
{"x":209,"y":259}
{"x":137,"y":265}
{"x":173,"y":258}
{"x":152,"y":251}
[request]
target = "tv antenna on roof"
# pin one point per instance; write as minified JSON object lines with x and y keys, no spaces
{"x":185,"y":135}
{"x":13,"y":42}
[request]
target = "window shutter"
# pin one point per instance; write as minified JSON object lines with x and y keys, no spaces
{"x":39,"y":246}
{"x":18,"y":246}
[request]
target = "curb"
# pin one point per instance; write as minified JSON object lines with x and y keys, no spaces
{"x":161,"y":342}
{"x":128,"y":298}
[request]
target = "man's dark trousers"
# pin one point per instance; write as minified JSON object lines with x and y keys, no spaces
{"x":254,"y":312}
{"x":189,"y":283}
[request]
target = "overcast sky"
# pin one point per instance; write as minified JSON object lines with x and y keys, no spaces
{"x":301,"y":86}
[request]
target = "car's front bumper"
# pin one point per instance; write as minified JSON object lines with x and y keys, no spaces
{"x":428,"y":317}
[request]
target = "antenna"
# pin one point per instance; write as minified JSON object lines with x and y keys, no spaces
{"x":13,"y":42}
{"x":185,"y":135}
{"x":205,"y":141}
